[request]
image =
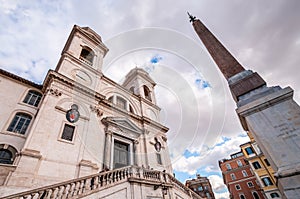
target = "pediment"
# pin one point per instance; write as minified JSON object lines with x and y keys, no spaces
{"x":91,"y":33}
{"x":122,"y":125}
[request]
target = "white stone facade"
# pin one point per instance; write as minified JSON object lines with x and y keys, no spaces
{"x":79,"y":123}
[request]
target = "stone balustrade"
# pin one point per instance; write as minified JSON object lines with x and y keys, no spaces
{"x":85,"y":61}
{"x":86,"y":185}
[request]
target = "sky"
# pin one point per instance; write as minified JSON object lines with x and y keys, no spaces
{"x":155,"y":35}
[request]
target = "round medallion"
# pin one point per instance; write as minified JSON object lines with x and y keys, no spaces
{"x":73,"y":114}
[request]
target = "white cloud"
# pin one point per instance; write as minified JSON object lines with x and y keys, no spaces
{"x":224,"y":195}
{"x":216,"y":183}
{"x":208,"y":158}
{"x":263,"y":38}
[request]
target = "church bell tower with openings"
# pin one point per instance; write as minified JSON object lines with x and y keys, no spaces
{"x":82,"y":57}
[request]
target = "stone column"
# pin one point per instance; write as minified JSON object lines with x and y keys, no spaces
{"x":107,"y":150}
{"x":135,"y":153}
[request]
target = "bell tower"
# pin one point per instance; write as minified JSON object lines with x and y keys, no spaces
{"x":269,"y":113}
{"x":139,"y":82}
{"x":82,"y":56}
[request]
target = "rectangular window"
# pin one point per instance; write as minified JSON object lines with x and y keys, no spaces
{"x":237,"y":187}
{"x":121,"y":154}
{"x":158,"y":157}
{"x":239,"y":163}
{"x":228,"y":166}
{"x":33,"y":98}
{"x":249,"y":150}
{"x":200,"y":188}
{"x":232,"y":176}
{"x":267,"y":181}
{"x":256,"y":165}
{"x":68,"y":132}
{"x":250,"y":184}
{"x":20,"y":123}
{"x":121,"y":103}
{"x":267,"y":162}
{"x":244,"y":173}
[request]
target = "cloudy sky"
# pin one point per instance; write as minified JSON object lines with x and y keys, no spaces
{"x":157,"y":36}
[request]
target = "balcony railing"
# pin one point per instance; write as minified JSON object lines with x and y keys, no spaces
{"x":89,"y":184}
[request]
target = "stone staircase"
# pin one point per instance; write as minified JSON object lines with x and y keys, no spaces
{"x":85,"y":186}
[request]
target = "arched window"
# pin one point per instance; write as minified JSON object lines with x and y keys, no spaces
{"x":255,"y":195}
{"x":121,"y":102}
{"x":147,"y":93}
{"x":239,"y":163}
{"x":20,"y":123}
{"x":130,"y":109}
{"x":132,"y":89}
{"x":87,"y":55}
{"x":33,"y":98}
{"x":242,"y":197}
{"x":228,"y":167}
{"x":244,"y":173}
{"x":111,"y":99}
{"x":232,"y":176}
{"x":7,"y":154}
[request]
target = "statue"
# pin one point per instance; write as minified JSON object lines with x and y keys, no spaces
{"x":192,"y":18}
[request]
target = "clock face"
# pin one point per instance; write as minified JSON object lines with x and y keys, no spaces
{"x":73,"y":114}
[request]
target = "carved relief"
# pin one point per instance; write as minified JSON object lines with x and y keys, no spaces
{"x":97,"y":110}
{"x":55,"y":92}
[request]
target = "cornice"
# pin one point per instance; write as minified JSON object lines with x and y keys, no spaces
{"x":54,"y":75}
{"x":20,"y":79}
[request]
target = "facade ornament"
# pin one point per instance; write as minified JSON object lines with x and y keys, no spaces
{"x":55,"y":92}
{"x":97,"y":110}
{"x":73,"y":114}
{"x":164,"y":138}
{"x":157,"y":145}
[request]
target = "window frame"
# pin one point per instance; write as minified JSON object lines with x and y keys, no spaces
{"x":236,"y":187}
{"x":274,"y":195}
{"x":27,"y":99}
{"x":242,"y":196}
{"x":62,"y":131}
{"x":249,"y":152}
{"x":15,"y":122}
{"x":120,"y":100}
{"x":12,"y":150}
{"x":267,"y":162}
{"x":239,"y":163}
{"x":147,"y":93}
{"x":228,"y":167}
{"x":131,"y":152}
{"x":244,"y":173}
{"x":250,"y":184}
{"x":89,"y":57}
{"x":255,"y":197}
{"x":256,"y":163}
{"x":159,"y":159}
{"x":232,"y":176}
{"x":268,"y":182}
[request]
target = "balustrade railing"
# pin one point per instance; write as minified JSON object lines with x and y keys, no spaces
{"x":84,"y":185}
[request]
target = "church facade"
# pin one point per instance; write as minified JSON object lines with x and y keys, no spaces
{"x":80,"y":134}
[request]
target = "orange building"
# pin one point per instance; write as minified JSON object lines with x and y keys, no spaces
{"x":239,"y":178}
